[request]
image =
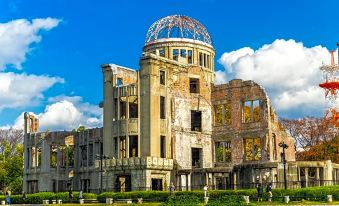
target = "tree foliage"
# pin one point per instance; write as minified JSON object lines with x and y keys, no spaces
{"x":315,"y":139}
{"x":11,"y":160}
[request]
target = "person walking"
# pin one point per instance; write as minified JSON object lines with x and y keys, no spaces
{"x":8,"y":198}
{"x":70,"y":195}
{"x":260,"y":192}
{"x":269,"y":191}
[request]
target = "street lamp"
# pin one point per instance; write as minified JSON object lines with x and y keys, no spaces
{"x":101,"y":157}
{"x":284,"y":146}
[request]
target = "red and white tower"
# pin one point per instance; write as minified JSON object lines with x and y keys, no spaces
{"x":331,"y":87}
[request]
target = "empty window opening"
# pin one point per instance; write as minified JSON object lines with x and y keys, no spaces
{"x":208,"y":61}
{"x":218,"y":115}
{"x":196,"y":120}
{"x":194,"y":85}
{"x":223,"y":151}
{"x":156,"y":184}
{"x":256,"y":111}
{"x":162,"y":108}
{"x":122,"y":147}
{"x":163,"y":146}
{"x":91,"y":154}
{"x":205,"y":60}
{"x":133,"y":146}
{"x":116,"y":146}
{"x":119,"y":81}
{"x":175,"y":54}
{"x":189,"y":57}
{"x":251,"y":111}
{"x":252,"y":149}
{"x":162,"y":77}
{"x":162,"y":52}
{"x":200,"y":59}
{"x":196,"y":157}
{"x":53,"y":156}
{"x":183,"y":53}
{"x":227,"y":113}
{"x":70,"y":155}
{"x":123,"y":183}
{"x":133,"y":109}
{"x":122,"y":110}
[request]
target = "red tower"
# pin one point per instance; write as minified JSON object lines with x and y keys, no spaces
{"x":331,"y":87}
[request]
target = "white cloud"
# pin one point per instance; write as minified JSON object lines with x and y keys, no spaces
{"x":288,"y":70}
{"x":22,"y":90}
{"x":17,"y":36}
{"x":65,"y":113}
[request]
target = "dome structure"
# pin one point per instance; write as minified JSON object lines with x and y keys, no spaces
{"x":178,"y":27}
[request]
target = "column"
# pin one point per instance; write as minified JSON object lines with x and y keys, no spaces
{"x":317,"y":176}
{"x":306,"y":177}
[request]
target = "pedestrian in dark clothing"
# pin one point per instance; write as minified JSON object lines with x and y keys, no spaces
{"x":260,"y":191}
{"x":269,"y":191}
{"x":70,"y":195}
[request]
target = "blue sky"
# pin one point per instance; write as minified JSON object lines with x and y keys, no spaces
{"x":90,"y":33}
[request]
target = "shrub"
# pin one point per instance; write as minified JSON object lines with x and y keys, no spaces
{"x":226,"y":200}
{"x":154,"y":196}
{"x":183,"y":200}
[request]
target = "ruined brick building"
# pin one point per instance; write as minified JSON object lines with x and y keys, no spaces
{"x":168,"y":122}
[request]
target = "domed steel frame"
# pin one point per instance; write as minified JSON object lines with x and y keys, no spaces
{"x":177,"y":26}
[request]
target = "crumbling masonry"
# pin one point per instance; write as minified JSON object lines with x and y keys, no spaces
{"x":168,"y":122}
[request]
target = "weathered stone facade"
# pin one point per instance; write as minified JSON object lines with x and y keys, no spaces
{"x":168,"y":122}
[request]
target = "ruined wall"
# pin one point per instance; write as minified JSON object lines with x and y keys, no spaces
{"x":251,"y":116}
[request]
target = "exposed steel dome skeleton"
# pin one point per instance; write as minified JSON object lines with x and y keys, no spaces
{"x":177,"y":26}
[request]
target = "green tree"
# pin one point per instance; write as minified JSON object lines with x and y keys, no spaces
{"x":11,"y":160}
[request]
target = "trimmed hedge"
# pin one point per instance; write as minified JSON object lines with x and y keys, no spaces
{"x":225,"y":197}
{"x":37,"y":198}
{"x":154,"y":196}
{"x":217,"y":197}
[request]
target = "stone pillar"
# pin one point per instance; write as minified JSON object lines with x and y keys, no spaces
{"x":108,"y":109}
{"x":235,"y":180}
{"x":306,"y":177}
{"x":317,"y":176}
{"x":189,"y":182}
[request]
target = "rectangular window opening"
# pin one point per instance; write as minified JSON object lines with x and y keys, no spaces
{"x":223,"y":152}
{"x":196,"y":157}
{"x":119,"y":81}
{"x":218,"y":115}
{"x":162,"y":77}
{"x":194,"y":85}
{"x":122,"y":109}
{"x":189,"y":57}
{"x":196,"y":120}
{"x":183,"y":53}
{"x":122,"y":147}
{"x":200,"y":59}
{"x":133,"y":109}
{"x":162,"y":52}
{"x":227,"y":113}
{"x":162,"y":108}
{"x":251,"y":111}
{"x":252,"y":149}
{"x":133,"y":146}
{"x":175,"y":54}
{"x":163,"y":146}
